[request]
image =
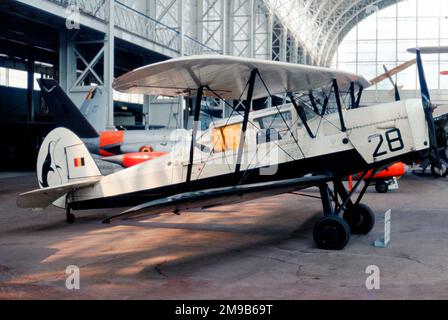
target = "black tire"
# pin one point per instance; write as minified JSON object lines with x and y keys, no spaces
{"x":70,"y":217}
{"x":381,"y":186}
{"x":331,"y":233}
{"x":436,"y":171}
{"x":360,"y":219}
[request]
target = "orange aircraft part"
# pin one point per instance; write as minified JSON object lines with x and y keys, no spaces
{"x":108,"y":138}
{"x":396,"y":170}
{"x":134,"y":158}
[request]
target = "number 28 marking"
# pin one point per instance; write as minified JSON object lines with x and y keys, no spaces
{"x":394,"y":142}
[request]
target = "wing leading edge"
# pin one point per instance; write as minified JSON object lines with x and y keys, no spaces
{"x":218,"y":196}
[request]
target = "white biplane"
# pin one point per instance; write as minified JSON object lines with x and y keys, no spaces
{"x":249,"y":155}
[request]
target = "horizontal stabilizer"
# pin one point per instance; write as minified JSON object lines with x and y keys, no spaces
{"x":218,"y":196}
{"x":42,"y":198}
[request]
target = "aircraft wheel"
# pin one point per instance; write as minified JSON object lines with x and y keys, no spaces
{"x":331,"y":233}
{"x":438,"y":173}
{"x":360,"y":218}
{"x":381,"y":186}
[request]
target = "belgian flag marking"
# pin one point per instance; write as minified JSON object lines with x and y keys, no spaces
{"x":79,"y":162}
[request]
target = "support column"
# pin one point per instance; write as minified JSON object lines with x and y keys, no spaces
{"x":30,"y":90}
{"x":146,"y":108}
{"x":67,"y":61}
{"x":180,"y":17}
{"x":283,"y":44}
{"x":109,"y":43}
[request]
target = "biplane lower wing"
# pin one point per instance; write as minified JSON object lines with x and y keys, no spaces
{"x":219,"y":196}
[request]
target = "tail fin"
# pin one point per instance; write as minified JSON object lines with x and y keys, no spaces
{"x":63,"y":158}
{"x":94,"y":109}
{"x":63,"y":165}
{"x":64,"y":111}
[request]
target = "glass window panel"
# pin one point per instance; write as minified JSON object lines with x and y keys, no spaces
{"x":387,"y":28}
{"x":349,"y":67}
{"x":407,"y":79}
{"x":402,"y":47}
{"x":367,"y":28}
{"x":444,"y":25}
{"x":444,"y":79}
{"x":428,"y":28}
{"x":407,"y":8}
{"x":3,"y":77}
{"x":407,"y":27}
{"x":387,"y":51}
{"x":367,"y":70}
{"x":432,"y":74}
{"x":432,"y":10}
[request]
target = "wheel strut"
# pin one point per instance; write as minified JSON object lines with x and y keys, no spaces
{"x":332,"y":231}
{"x":70,"y":217}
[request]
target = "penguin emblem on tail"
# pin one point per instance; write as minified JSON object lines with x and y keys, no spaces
{"x":47,"y":166}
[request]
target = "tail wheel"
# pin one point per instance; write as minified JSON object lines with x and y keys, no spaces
{"x":360,"y":218}
{"x":331,"y":233}
{"x":439,"y":172}
{"x":381,"y":186}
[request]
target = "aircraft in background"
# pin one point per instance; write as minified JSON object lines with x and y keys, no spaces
{"x":126,"y":148}
{"x":250,"y":154}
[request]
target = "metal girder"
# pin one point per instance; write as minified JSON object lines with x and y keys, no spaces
{"x":212,"y":19}
{"x":351,"y":22}
{"x":318,"y":24}
{"x":262,"y":32}
{"x":242,"y":27}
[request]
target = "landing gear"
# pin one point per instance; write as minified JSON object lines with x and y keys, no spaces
{"x":331,"y":233}
{"x":439,"y":172}
{"x":381,"y":186}
{"x":360,"y":218}
{"x":70,"y":217}
{"x":341,"y":215}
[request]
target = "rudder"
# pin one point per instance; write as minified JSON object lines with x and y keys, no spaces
{"x":63,"y":158}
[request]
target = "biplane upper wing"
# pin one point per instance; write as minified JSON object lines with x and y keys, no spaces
{"x":429,"y":50}
{"x":219,"y":196}
{"x":227,"y":77}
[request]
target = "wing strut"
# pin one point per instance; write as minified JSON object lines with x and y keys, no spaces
{"x":352,"y":95}
{"x":325,"y":105}
{"x":338,"y":102}
{"x":358,"y":99}
{"x":197,"y":110}
{"x":247,"y":104}
{"x":313,"y":102}
{"x":301,"y":112}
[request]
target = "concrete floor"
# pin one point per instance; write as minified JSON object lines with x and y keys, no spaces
{"x":261,"y":250}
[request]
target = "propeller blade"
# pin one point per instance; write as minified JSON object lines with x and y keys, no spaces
{"x":426,"y":100}
{"x":397,"y":92}
{"x":393,"y":72}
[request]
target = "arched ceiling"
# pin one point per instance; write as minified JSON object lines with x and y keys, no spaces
{"x":320,"y":25}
